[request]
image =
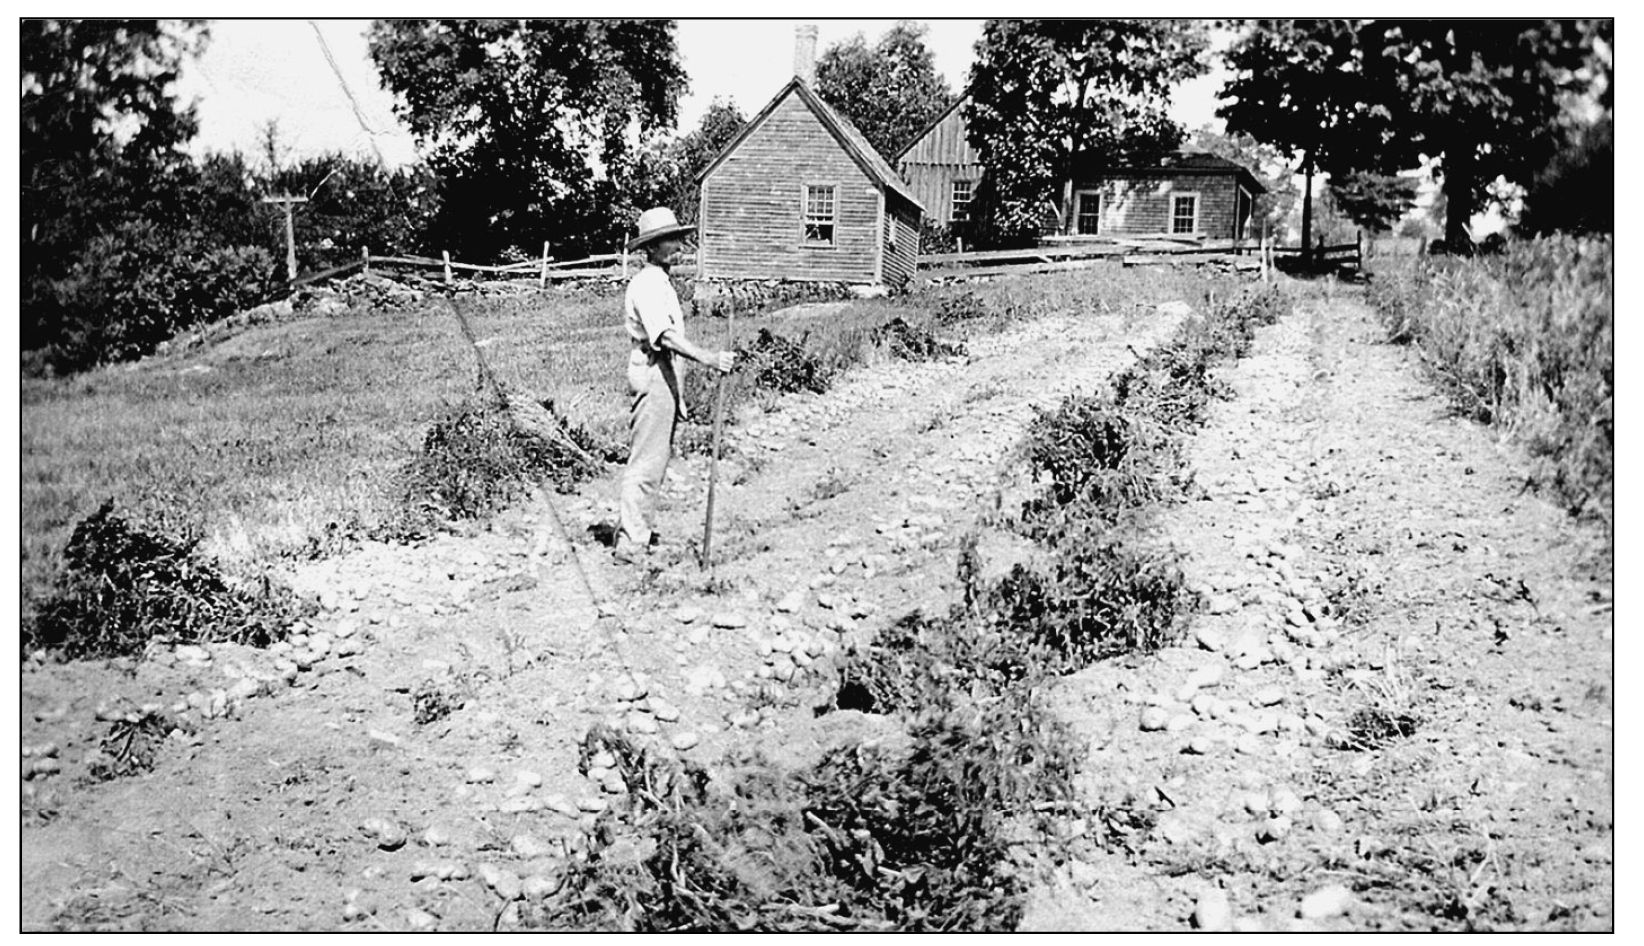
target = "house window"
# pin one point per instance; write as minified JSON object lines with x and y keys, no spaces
{"x":1087,"y":211}
{"x":962,"y":192}
{"x":821,"y":213}
{"x":1184,"y":213}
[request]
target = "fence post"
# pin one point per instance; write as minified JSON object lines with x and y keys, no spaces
{"x":446,"y":256}
{"x":1262,"y":253}
{"x":1360,"y":242}
{"x":542,"y":276}
{"x":365,"y":259}
{"x":624,"y":258}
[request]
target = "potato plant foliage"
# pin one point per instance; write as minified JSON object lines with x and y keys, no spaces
{"x":927,"y":833}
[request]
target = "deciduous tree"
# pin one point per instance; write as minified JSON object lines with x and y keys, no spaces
{"x":669,"y":167}
{"x":1486,"y":98}
{"x":534,"y":126}
{"x":101,"y":141}
{"x":1270,"y":166}
{"x":1307,"y":87}
{"x":1051,"y":96}
{"x":890,"y":91}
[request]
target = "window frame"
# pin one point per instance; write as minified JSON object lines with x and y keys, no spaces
{"x":1197,"y":203}
{"x":805,"y":221}
{"x":1078,"y":209}
{"x":954,"y":203}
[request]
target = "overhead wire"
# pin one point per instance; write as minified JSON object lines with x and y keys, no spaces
{"x":359,"y":114}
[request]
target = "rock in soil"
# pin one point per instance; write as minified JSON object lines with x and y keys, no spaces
{"x":1326,"y":902}
{"x":1154,"y":719}
{"x":389,"y":835}
{"x":1212,"y":913}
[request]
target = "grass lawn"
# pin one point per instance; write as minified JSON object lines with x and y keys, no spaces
{"x":257,"y":441}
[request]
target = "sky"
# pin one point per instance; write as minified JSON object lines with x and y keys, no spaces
{"x":256,"y":71}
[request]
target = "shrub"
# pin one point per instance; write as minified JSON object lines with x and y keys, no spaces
{"x":1523,"y":340}
{"x":774,"y":363}
{"x":139,"y":284}
{"x":124,"y":585}
{"x":910,"y":343}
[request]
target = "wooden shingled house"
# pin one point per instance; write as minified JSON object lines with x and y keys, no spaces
{"x":800,"y":195}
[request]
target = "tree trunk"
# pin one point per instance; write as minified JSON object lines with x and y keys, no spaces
{"x":1458,"y":198}
{"x":1307,"y":208}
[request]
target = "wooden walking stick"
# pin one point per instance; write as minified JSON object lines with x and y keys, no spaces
{"x":719,"y":429}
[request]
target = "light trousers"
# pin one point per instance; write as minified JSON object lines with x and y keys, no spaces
{"x":651,"y":418}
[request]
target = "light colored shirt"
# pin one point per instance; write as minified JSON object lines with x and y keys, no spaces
{"x":650,"y":308}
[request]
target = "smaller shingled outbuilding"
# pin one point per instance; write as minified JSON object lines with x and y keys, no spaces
{"x":1186,"y":193}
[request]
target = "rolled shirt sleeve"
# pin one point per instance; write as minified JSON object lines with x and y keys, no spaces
{"x":653,"y":306}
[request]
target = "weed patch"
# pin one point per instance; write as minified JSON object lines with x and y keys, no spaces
{"x":1523,"y":340}
{"x":1372,"y":727}
{"x":131,"y":746}
{"x":123,"y":585}
{"x":478,"y":458}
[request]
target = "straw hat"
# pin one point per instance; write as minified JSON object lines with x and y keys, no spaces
{"x":656,"y":223}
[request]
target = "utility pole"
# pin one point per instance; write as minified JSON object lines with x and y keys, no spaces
{"x":290,"y":232}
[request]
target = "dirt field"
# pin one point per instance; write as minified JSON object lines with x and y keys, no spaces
{"x":1437,"y":743}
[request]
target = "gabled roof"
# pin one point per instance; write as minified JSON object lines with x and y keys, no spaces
{"x":1191,"y":162}
{"x":837,"y":125}
{"x":932,"y":125}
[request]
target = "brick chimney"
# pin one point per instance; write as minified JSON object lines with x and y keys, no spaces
{"x":804,"y":54}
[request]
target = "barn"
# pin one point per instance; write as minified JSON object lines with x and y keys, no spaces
{"x":1186,"y":193}
{"x":800,"y":195}
{"x":942,"y":168}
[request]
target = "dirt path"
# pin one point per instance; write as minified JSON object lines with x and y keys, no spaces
{"x":1361,"y":552}
{"x":1449,"y":603}
{"x":855,"y":498}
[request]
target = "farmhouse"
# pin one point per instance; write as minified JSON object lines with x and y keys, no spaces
{"x":1185,"y":193}
{"x":800,"y":195}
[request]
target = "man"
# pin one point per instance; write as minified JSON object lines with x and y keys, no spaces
{"x":656,"y":330}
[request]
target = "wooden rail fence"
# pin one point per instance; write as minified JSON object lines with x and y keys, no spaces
{"x":547,"y":269}
{"x":1058,"y":253}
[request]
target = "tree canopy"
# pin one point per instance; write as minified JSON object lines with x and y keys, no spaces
{"x":534,"y":126}
{"x":1270,"y":166}
{"x":1484,"y":97}
{"x":668,"y":169}
{"x":1307,"y":87}
{"x":1364,"y":99}
{"x":1048,"y":96}
{"x":890,"y":91}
